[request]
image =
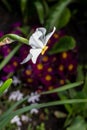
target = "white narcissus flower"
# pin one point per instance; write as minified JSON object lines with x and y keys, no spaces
{"x":38,"y":42}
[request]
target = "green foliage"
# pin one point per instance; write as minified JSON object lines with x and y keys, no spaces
{"x":40,"y":127}
{"x":9,"y":114}
{"x":5,"y":86}
{"x":78,"y":124}
{"x":40,"y":11}
{"x":12,"y":38}
{"x":76,"y":118}
{"x":23,"y":4}
{"x":59,"y":15}
{"x":64,"y":44}
{"x":63,"y":88}
{"x":64,"y":18}
{"x":7,"y":5}
{"x":75,"y":102}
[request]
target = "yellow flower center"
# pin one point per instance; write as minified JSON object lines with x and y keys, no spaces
{"x":49,"y":69}
{"x":56,"y":35}
{"x":50,"y":87}
{"x":62,"y":81}
{"x":64,"y":55}
{"x":29,"y":80}
{"x":45,"y":59}
{"x":70,"y":67}
{"x":61,"y":67}
{"x":28,"y":72}
{"x":15,"y":63}
{"x":44,"y":49}
{"x":48,"y":77}
{"x":39,"y":66}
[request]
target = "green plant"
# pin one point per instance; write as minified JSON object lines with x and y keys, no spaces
{"x":5,"y":86}
{"x":76,"y":118}
{"x":9,"y":114}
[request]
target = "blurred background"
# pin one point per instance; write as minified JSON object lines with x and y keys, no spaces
{"x":64,"y":62}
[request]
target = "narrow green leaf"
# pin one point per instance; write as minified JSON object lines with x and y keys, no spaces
{"x":7,"y":59}
{"x":23,"y":4}
{"x":10,"y":110}
{"x":46,"y":8}
{"x":5,"y":86}
{"x":4,"y":122}
{"x":80,"y":74}
{"x":63,"y":88}
{"x":85,"y":85}
{"x":40,"y":11}
{"x":7,"y":4}
{"x":65,"y":43}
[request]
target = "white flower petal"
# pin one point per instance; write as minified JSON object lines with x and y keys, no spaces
{"x":48,"y":36}
{"x":16,"y":80}
{"x":37,"y":41}
{"x":29,"y":56}
{"x":43,"y":30}
{"x":24,"y":118}
{"x":34,"y":97}
{"x":34,"y":111}
{"x":16,"y":120}
{"x":34,"y":40}
{"x":35,"y":53}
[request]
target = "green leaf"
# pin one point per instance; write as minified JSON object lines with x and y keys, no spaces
{"x":7,"y":4}
{"x":65,"y":43}
{"x":4,"y":122}
{"x":40,"y":11}
{"x":85,"y":85}
{"x":58,"y":14}
{"x":5,"y":86}
{"x":78,"y":124}
{"x":63,"y":88}
{"x":23,"y":4}
{"x":80,"y":74}
{"x":64,"y":19}
{"x":10,"y":110}
{"x":68,"y":107}
{"x":46,"y":8}
{"x":7,"y":59}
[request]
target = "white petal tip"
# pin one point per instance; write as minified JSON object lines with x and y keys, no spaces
{"x":23,"y":62}
{"x":54,"y":28}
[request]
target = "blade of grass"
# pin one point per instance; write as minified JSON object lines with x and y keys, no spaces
{"x":4,"y":122}
{"x":6,"y":60}
{"x":10,"y":110}
{"x":63,"y":88}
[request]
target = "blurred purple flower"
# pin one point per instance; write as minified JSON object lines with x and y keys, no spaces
{"x":12,"y":66}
